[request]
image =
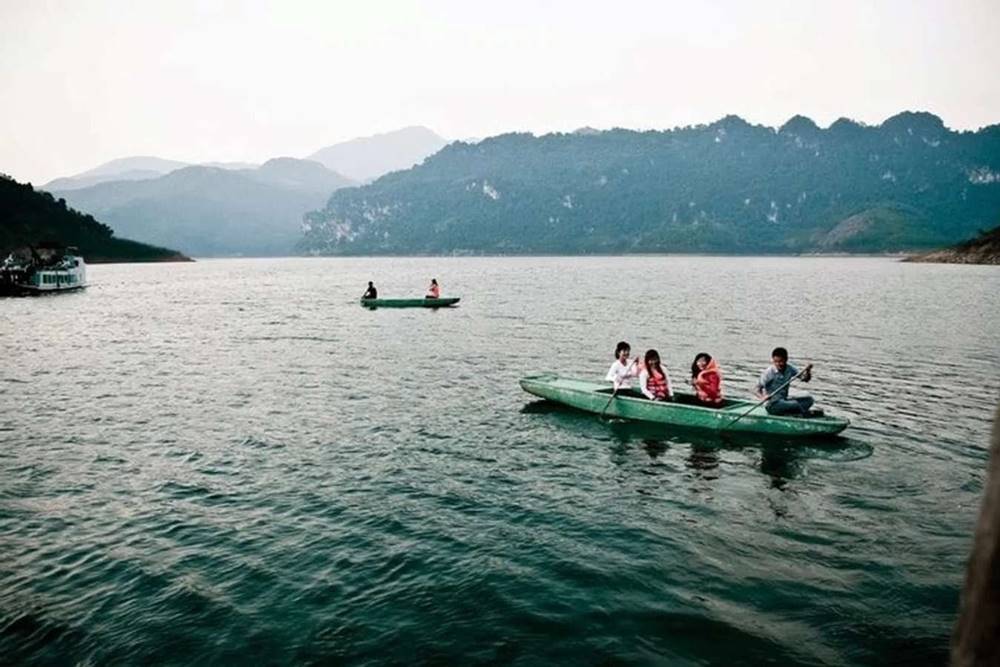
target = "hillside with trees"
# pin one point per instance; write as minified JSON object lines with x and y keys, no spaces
{"x":28,"y":217}
{"x":728,"y":187}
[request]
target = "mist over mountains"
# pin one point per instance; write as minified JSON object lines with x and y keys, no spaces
{"x":211,"y":211}
{"x":728,"y":187}
{"x":233,"y":208}
{"x":367,"y":158}
{"x":135,"y":168}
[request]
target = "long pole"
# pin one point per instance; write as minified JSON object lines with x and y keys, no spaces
{"x":768,"y":397}
{"x":617,"y":385}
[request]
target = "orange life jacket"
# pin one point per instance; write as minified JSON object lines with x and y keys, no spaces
{"x":657,"y":385}
{"x":709,"y":384}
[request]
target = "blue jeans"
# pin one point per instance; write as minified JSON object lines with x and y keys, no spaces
{"x":790,"y":406}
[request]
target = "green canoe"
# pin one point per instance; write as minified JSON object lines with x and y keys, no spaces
{"x":410,"y":303}
{"x":684,"y":411}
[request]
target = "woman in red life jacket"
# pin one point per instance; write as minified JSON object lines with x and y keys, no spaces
{"x":707,"y":380}
{"x":653,"y":380}
{"x":433,"y":292}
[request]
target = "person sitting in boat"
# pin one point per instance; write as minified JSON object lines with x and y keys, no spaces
{"x":773,"y":385}
{"x":653,"y":380}
{"x":371,"y":292}
{"x":433,"y":292}
{"x":706,"y":378}
{"x":623,"y":370}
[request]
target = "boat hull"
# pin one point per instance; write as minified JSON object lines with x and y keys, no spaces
{"x":18,"y":289}
{"x":410,"y":303}
{"x":685,"y":412}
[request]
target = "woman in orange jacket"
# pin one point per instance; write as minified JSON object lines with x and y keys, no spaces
{"x":707,"y":380}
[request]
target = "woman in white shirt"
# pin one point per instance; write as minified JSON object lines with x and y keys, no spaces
{"x":622,"y":370}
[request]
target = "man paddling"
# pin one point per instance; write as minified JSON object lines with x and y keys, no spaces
{"x":773,"y":385}
{"x":371,"y":292}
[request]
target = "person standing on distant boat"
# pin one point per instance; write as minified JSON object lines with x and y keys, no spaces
{"x":706,"y":378}
{"x":371,"y":292}
{"x":779,"y":373}
{"x":433,"y":292}
{"x":653,"y":379}
{"x":622,"y":370}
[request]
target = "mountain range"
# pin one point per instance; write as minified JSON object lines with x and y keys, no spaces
{"x":212,"y":211}
{"x":29,"y":217}
{"x":729,"y":187}
{"x":362,"y":159}
{"x":367,"y":158}
{"x":135,"y":168}
{"x":233,"y":208}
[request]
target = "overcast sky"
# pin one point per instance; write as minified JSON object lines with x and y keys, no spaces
{"x":85,"y":82}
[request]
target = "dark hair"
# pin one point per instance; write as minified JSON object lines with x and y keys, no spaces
{"x":652,"y":361}
{"x":622,"y":345}
{"x":434,"y":281}
{"x":780,"y":352}
{"x":369,"y":283}
{"x":694,"y":365}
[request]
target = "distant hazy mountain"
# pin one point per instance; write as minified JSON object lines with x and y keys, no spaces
{"x":726,"y":187}
{"x":206,"y":211}
{"x":368,"y":158}
{"x":28,"y":217}
{"x":136,"y":168}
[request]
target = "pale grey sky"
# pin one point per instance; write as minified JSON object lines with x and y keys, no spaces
{"x":85,"y":82}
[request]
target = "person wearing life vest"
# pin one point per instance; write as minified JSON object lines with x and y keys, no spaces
{"x":433,"y":292}
{"x":707,"y":380}
{"x":653,"y":379}
{"x":622,"y":370}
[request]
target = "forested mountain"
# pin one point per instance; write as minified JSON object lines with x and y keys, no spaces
{"x":368,"y":158}
{"x":206,"y":211}
{"x":727,"y":187}
{"x":28,"y":217}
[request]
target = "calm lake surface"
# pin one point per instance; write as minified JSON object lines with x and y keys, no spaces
{"x":231,"y":461}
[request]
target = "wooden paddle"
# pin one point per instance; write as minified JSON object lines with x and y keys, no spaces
{"x":617,"y":386}
{"x":769,"y":396}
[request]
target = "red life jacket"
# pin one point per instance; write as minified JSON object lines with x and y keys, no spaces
{"x":657,"y":385}
{"x":709,"y":384}
{"x":434,"y":292}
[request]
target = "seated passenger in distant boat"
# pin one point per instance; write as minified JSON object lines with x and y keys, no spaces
{"x":622,"y":370}
{"x":707,"y":380}
{"x":773,"y":385}
{"x":371,"y":292}
{"x":433,"y":292}
{"x":653,"y":379}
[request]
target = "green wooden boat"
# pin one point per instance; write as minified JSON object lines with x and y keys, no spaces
{"x":410,"y":303}
{"x":684,"y":411}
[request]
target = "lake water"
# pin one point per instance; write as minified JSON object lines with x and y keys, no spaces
{"x":231,"y":461}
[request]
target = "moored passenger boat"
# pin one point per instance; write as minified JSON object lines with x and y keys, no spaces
{"x":46,"y":270}
{"x":596,"y":397}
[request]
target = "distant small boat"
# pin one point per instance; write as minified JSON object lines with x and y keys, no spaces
{"x":410,"y":303}
{"x":45,"y":272}
{"x":684,"y":411}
